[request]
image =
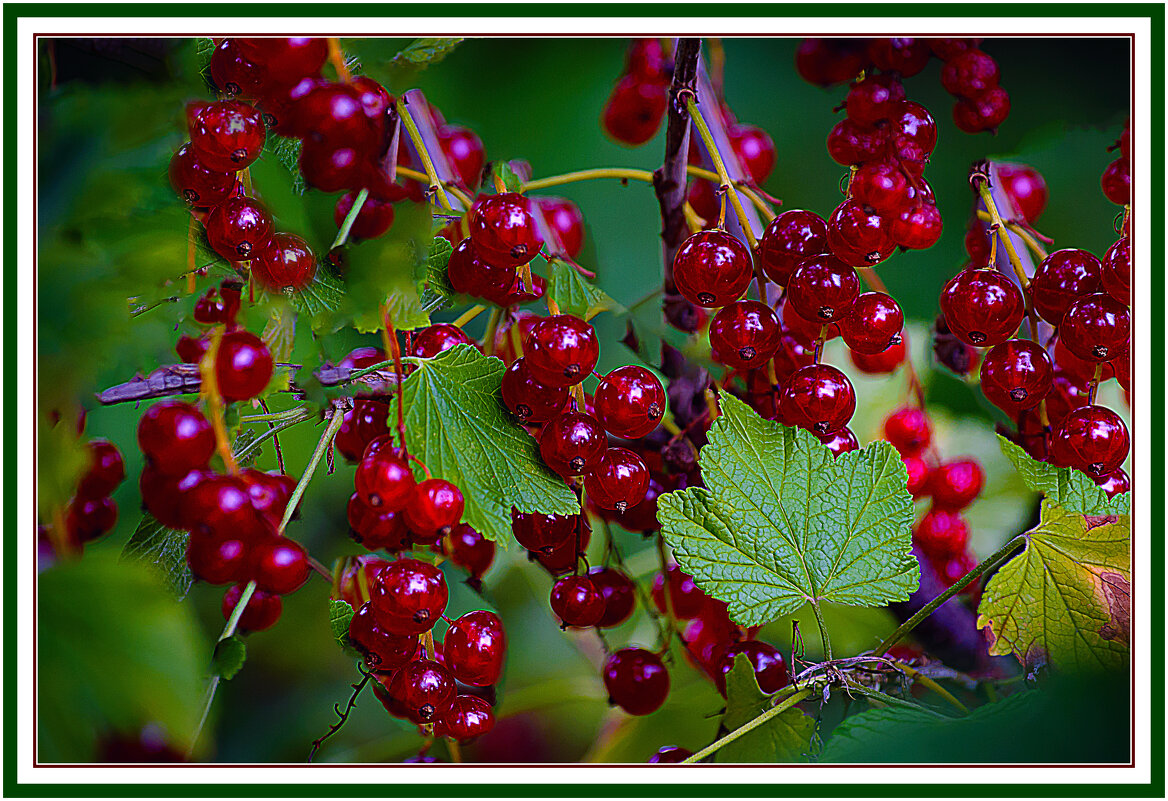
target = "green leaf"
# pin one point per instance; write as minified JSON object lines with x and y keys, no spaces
{"x":427,"y":51}
{"x":404,"y":309}
{"x":340,"y":613}
{"x":503,"y":171}
{"x":438,"y":293}
{"x":392,"y":267}
{"x":319,"y":299}
{"x":784,"y":738}
{"x":1063,"y":486}
{"x":280,"y":333}
{"x":116,"y":652}
{"x":1066,"y":599}
{"x":163,"y":548}
{"x":457,"y":424}
{"x":230,"y":654}
{"x":245,"y":438}
{"x":575,"y":295}
{"x":782,"y":523}
{"x":286,"y":150}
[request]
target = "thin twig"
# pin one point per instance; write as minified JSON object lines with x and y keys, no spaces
{"x":343,"y":716}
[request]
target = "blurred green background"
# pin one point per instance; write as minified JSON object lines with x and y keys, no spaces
{"x":110,"y":229}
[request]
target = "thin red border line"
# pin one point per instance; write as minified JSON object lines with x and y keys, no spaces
{"x":36,"y":163}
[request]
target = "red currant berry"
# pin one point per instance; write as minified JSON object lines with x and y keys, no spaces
{"x":788,"y":239}
{"x":908,"y":430}
{"x":376,"y":529}
{"x":435,"y":508}
{"x":228,"y":135}
{"x":474,"y":648}
{"x":1091,"y":438}
{"x":769,"y":668}
{"x":874,"y":324}
{"x":755,"y":149}
{"x":1025,"y":187}
{"x":288,"y":60}
{"x":1016,"y":375}
{"x":529,"y":400}
{"x":279,"y":565}
{"x":982,"y":307}
{"x":332,"y":115}
{"x":824,"y":62}
{"x":1060,"y":279}
{"x":619,"y":481}
{"x":881,"y":363}
{"x":467,"y":717}
{"x":373,"y":220}
{"x":470,"y":274}
{"x":287,"y":263}
{"x":195,"y":182}
{"x":543,"y":533}
{"x":636,"y":680}
{"x":881,"y":185}
{"x":823,"y":289}
{"x":905,"y":56}
{"x":217,"y":560}
{"x":235,"y":75}
{"x":619,"y":593}
{"x":850,"y":143}
{"x":561,"y":350}
{"x":941,"y":533}
{"x":983,"y":113}
{"x":238,"y":228}
{"x":384,"y":481}
{"x":89,"y":518}
{"x":818,"y":398}
{"x":1116,"y":272}
{"x":382,"y":651}
{"x":874,"y":99}
{"x":686,"y":599}
{"x":841,"y":441}
{"x":914,"y":134}
{"x":712,"y":268}
{"x":361,"y":425}
{"x":434,"y":339}
{"x":1115,"y":483}
{"x":1096,"y":328}
{"x":745,"y":334}
{"x":630,"y":402}
{"x":1080,"y":372}
{"x":858,"y":236}
{"x":918,"y":476}
{"x":106,"y":470}
{"x":917,"y":228}
{"x":175,"y":437}
{"x":503,"y":231}
{"x":408,"y":596}
{"x":423,"y":687}
{"x":262,"y":611}
{"x":634,"y":110}
{"x":946,"y":49}
{"x":971,"y":74}
{"x":669,"y":754}
{"x":243,"y":366}
{"x":1116,"y":182}
{"x":564,"y":217}
{"x":269,"y":492}
{"x":576,"y":602}
{"x":471,"y":551}
{"x":566,"y":557}
{"x":572,"y":444}
{"x":955,"y":485}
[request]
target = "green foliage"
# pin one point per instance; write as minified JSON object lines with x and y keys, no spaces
{"x":229,"y":656}
{"x":340,"y":613}
{"x":163,"y":548}
{"x":1066,"y":599}
{"x":116,"y":652}
{"x":424,"y":52}
{"x":575,"y":295}
{"x":390,"y":267}
{"x":783,"y":738}
{"x":63,"y":457}
{"x":502,"y":170}
{"x":438,"y":293}
{"x":286,"y":150}
{"x":1063,"y":486}
{"x":320,"y":299}
{"x":781,"y":522}
{"x":456,"y":423}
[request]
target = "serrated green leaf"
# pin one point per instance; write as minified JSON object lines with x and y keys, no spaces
{"x":286,"y":150}
{"x":576,"y":296}
{"x":782,"y":523}
{"x":404,"y":309}
{"x":457,"y":424}
{"x":320,"y":299}
{"x":280,"y":333}
{"x":163,"y":548}
{"x":340,"y":613}
{"x":1063,"y":486}
{"x":1066,"y":599}
{"x":503,"y":171}
{"x":242,"y":440}
{"x":784,"y":738}
{"x":229,"y":656}
{"x":438,"y":292}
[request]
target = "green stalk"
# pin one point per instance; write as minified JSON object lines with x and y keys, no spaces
{"x":350,"y":218}
{"x":746,"y":728}
{"x":327,"y":437}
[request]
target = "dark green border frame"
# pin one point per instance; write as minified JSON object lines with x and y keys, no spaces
{"x":1153,"y":418}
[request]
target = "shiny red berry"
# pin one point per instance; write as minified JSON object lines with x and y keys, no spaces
{"x":466,"y":717}
{"x":384,"y":481}
{"x":1060,"y":279}
{"x":634,"y":110}
{"x":434,"y":339}
{"x":1116,"y":182}
{"x":918,"y":476}
{"x":769,"y":668}
{"x":636,"y":680}
{"x":881,"y":185}
{"x":561,"y":350}
{"x":712,"y":268}
{"x":823,"y":289}
{"x":819,"y":398}
{"x":262,"y":611}
{"x":858,"y":236}
{"x":902,"y":55}
{"x":503,"y":231}
{"x":217,"y":560}
{"x":824,"y":62}
{"x":1091,"y":438}
{"x":880,"y":363}
{"x":238,"y":228}
{"x":908,"y":430}
{"x":755,"y":150}
{"x":228,"y":135}
{"x":572,"y":443}
{"x":1096,"y":328}
{"x":424,"y":688}
{"x":955,"y":485}
{"x":464,"y":151}
{"x":175,"y":437}
{"x":686,"y":599}
{"x":475,"y":647}
{"x":1025,"y":187}
{"x":630,"y":402}
{"x":382,"y":650}
{"x":982,"y":307}
{"x":376,"y":529}
{"x":841,"y":441}
{"x":970,"y":74}
{"x":983,"y":113}
{"x":435,"y":508}
{"x":914,"y":135}
{"x":1016,"y":375}
{"x":577,"y":602}
{"x":279,"y":565}
{"x":619,"y":481}
{"x":851,"y":143}
{"x":543,"y":533}
{"x":243,"y":366}
{"x":195,"y":182}
{"x":366,"y":421}
{"x":619,"y":593}
{"x":874,"y":324}
{"x":287,"y":263}
{"x":528,"y":399}
{"x":788,"y":239}
{"x":669,"y":754}
{"x":918,"y":227}
{"x":287,"y":59}
{"x":470,"y":274}
{"x":106,"y":470}
{"x":941,"y":533}
{"x":470,"y":550}
{"x":1115,"y":483}
{"x":408,"y":596}
{"x":874,"y":99}
{"x":745,"y":334}
{"x":564,"y":217}
{"x":235,"y":75}
{"x":1116,"y":272}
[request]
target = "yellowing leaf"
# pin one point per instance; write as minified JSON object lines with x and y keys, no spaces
{"x":782,"y":523}
{"x":1066,"y":599}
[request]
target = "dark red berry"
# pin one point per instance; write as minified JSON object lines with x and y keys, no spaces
{"x":874,"y":324}
{"x":636,"y":680}
{"x":565,"y":558}
{"x":470,"y":274}
{"x":619,"y":593}
{"x":1116,"y":182}
{"x":823,"y":289}
{"x":619,"y":481}
{"x":880,"y":363}
{"x":1115,"y":483}
{"x":788,"y":239}
{"x":841,"y":441}
{"x":874,"y":99}
{"x":818,"y":398}
{"x":918,"y":476}
{"x":745,"y":334}
{"x":634,"y":110}
{"x":908,"y":430}
{"x":384,"y":481}
{"x":1016,"y":375}
{"x":470,"y":550}
{"x":561,"y":350}
{"x":955,"y":485}
{"x":901,"y":55}
{"x":970,"y":74}
{"x":946,"y":49}
{"x":424,"y":688}
{"x":630,"y":402}
{"x":195,"y":182}
{"x":982,"y":307}
{"x":824,"y":62}
{"x":1080,"y":372}
{"x":376,"y":529}
{"x":435,"y":508}
{"x":528,"y":399}
{"x":1060,"y":279}
{"x":475,"y":647}
{"x":564,"y":217}
{"x":106,"y":470}
{"x":434,"y":339}
{"x":543,"y":533}
{"x":464,"y":151}
{"x":382,"y":650}
{"x":238,"y":228}
{"x":408,"y":596}
{"x":467,"y":717}
{"x":262,"y":611}
{"x":669,"y":754}
{"x":686,"y":599}
{"x":917,"y":228}
{"x":361,"y":425}
{"x":1025,"y":187}
{"x":755,"y":150}
{"x":577,"y":602}
{"x":175,"y":437}
{"x":89,"y":518}
{"x":287,"y":59}
{"x":228,"y":135}
{"x":1116,"y":272}
{"x":243,"y":366}
{"x":1096,"y":328}
{"x":287,"y":263}
{"x":850,"y":143}
{"x":941,"y":533}
{"x":858,"y":236}
{"x":572,"y":444}
{"x":503,"y":231}
{"x":1091,"y":438}
{"x":373,"y":220}
{"x":235,"y":75}
{"x":269,"y":492}
{"x":279,"y":565}
{"x":769,"y":668}
{"x":983,"y":113}
{"x":164,"y":496}
{"x":712,"y":268}
{"x":332,"y":115}
{"x":217,"y":560}
{"x":914,"y":135}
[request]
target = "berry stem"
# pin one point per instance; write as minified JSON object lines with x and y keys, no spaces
{"x":275,"y":417}
{"x":427,"y":162}
{"x":720,"y":165}
{"x":492,"y":329}
{"x":822,"y":631}
{"x":254,"y":445}
{"x":1093,"y":387}
{"x":987,"y":564}
{"x":1028,"y":238}
{"x":981,"y":182}
{"x":337,"y":59}
{"x":326,"y":439}
{"x":350,"y":218}
{"x":468,"y":315}
{"x":774,"y":711}
{"x":389,"y":337}
{"x":213,"y":685}
{"x":210,"y":393}
{"x":323,"y":571}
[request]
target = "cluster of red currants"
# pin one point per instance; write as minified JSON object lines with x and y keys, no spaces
{"x":968,"y":74}
{"x":91,"y":512}
{"x":1116,"y":179}
{"x":445,"y":684}
{"x":638,"y":102}
{"x":942,"y":534}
